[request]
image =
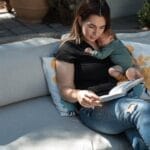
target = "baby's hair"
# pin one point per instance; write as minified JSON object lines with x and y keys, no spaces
{"x":110,"y":32}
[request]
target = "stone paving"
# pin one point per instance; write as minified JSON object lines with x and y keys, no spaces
{"x":12,"y":29}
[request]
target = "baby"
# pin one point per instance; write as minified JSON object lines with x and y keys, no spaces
{"x":111,"y":47}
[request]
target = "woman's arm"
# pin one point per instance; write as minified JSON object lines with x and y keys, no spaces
{"x":65,"y":78}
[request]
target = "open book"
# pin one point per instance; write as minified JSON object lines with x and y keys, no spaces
{"x":120,"y":90}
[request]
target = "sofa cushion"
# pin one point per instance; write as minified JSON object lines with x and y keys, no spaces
{"x":139,"y":37}
{"x":36,"y":125}
{"x":21,"y":72}
{"x":65,"y":108}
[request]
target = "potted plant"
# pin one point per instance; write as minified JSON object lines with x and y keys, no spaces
{"x":30,"y":11}
{"x":144,"y":15}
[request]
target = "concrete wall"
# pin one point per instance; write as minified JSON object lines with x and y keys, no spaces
{"x":120,"y":8}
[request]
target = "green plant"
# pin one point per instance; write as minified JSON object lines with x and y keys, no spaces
{"x":144,"y":14}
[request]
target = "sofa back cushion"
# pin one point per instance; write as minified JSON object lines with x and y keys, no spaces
{"x":21,"y":72}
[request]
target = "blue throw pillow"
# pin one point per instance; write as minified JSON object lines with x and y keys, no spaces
{"x":65,"y":108}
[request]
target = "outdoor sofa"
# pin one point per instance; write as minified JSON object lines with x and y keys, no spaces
{"x":29,"y":119}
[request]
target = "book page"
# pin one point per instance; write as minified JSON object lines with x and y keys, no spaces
{"x":120,"y":90}
{"x":125,"y":86}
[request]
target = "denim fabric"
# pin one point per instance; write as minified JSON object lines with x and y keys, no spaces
{"x":127,"y":114}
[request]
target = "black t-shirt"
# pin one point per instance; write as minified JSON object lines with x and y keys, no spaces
{"x":90,"y":73}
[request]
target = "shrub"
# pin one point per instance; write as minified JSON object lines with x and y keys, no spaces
{"x":144,"y":14}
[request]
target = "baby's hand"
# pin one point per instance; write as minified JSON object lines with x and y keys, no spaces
{"x":88,"y":50}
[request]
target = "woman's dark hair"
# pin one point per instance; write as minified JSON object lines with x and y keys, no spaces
{"x":85,"y":10}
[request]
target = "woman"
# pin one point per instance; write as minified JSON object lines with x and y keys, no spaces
{"x":81,"y":78}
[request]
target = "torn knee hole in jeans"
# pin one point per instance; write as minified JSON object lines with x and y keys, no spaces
{"x":131,"y":108}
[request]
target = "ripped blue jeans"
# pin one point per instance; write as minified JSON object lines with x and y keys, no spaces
{"x":128,"y":114}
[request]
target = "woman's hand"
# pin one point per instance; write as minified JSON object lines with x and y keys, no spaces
{"x":88,"y":99}
{"x":65,"y":79}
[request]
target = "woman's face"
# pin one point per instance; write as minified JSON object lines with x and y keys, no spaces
{"x":92,"y":28}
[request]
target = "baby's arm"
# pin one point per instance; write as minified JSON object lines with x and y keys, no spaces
{"x":99,"y":54}
{"x":90,"y":52}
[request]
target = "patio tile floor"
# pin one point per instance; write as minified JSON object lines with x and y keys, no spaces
{"x":12,"y":29}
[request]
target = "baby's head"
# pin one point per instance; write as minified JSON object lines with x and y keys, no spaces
{"x":107,"y":37}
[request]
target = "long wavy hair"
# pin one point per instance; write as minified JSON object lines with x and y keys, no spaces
{"x":85,"y":10}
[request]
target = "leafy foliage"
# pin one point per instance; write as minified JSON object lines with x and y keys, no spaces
{"x":144,"y":14}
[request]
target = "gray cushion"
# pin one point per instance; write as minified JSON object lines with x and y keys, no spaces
{"x":140,"y":37}
{"x":21,"y":72}
{"x":36,"y":125}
